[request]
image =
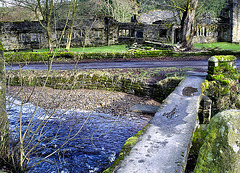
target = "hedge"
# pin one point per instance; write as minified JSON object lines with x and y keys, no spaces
{"x":14,"y":57}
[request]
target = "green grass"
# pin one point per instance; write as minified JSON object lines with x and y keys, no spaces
{"x":220,"y":45}
{"x":112,"y":48}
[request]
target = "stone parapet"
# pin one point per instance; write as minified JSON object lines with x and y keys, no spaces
{"x":165,"y":145}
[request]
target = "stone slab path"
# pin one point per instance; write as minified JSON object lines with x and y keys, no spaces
{"x":165,"y":145}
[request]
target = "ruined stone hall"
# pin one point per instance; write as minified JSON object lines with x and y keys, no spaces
{"x":158,"y":26}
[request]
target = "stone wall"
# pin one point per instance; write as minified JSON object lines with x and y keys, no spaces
{"x":229,"y":23}
{"x":18,"y":35}
{"x":88,"y":31}
{"x":158,"y":91}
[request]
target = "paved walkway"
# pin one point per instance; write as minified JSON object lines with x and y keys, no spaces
{"x":165,"y":145}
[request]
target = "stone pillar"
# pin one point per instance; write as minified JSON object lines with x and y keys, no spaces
{"x":4,"y":138}
{"x":212,"y":64}
{"x":204,"y":113}
{"x":173,"y":34}
{"x":216,"y":61}
{"x":235,"y":21}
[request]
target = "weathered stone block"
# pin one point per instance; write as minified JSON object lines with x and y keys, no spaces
{"x":221,"y":149}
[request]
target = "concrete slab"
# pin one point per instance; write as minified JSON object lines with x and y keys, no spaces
{"x":165,"y":145}
{"x":145,"y":109}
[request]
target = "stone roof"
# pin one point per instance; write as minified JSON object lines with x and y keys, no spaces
{"x":158,"y":15}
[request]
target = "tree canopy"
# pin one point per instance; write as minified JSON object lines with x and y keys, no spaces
{"x":121,"y":10}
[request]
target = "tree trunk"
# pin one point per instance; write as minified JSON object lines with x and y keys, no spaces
{"x":4,"y":137}
{"x":46,"y":13}
{"x":188,"y":24}
{"x":69,"y":39}
{"x":49,"y":36}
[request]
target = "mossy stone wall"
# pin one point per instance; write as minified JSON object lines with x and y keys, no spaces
{"x":158,"y":91}
{"x":220,"y":64}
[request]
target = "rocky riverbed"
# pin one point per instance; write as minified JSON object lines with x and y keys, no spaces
{"x":101,"y":101}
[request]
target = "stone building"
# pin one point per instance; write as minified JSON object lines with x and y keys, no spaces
{"x":89,"y":31}
{"x":229,"y":24}
{"x":235,"y":20}
{"x":157,"y":26}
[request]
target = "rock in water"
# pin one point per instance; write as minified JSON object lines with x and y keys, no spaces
{"x":145,"y":109}
{"x":221,"y":149}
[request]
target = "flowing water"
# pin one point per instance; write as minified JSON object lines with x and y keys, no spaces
{"x":82,"y":141}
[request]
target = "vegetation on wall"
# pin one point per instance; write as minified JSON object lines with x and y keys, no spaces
{"x":223,"y":86}
{"x":154,"y":83}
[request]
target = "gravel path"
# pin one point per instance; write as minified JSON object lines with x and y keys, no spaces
{"x":116,"y":103}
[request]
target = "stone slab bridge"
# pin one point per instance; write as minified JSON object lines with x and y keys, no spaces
{"x":165,"y":145}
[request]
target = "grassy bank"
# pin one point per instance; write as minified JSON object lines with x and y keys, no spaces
{"x":112,"y":48}
{"x":219,"y":45}
{"x":120,"y":52}
{"x":123,"y":48}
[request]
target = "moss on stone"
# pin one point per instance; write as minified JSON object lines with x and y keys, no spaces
{"x":95,"y":79}
{"x":222,"y":58}
{"x":130,"y":142}
{"x":220,"y":151}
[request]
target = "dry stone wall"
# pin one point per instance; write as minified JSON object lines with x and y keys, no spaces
{"x":157,"y":91}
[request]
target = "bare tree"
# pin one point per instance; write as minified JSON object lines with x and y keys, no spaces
{"x":69,"y":38}
{"x":43,"y":10}
{"x":121,"y":10}
{"x":46,"y":11}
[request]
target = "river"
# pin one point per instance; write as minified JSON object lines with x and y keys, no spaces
{"x":96,"y":138}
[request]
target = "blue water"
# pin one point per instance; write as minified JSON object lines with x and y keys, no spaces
{"x":95,"y":139}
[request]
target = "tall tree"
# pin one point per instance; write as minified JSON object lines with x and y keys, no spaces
{"x":188,"y":24}
{"x":191,"y":11}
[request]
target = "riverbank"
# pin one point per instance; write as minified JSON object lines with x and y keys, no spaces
{"x":108,"y":102}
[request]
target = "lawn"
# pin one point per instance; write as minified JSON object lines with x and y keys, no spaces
{"x":123,"y":48}
{"x":220,"y":45}
{"x":112,"y":48}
